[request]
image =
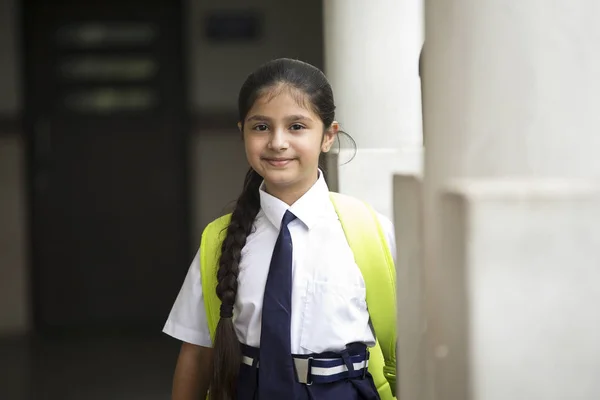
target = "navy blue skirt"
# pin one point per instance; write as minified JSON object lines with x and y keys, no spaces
{"x":361,"y":388}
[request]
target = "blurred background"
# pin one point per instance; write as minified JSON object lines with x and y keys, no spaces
{"x":118,"y":143}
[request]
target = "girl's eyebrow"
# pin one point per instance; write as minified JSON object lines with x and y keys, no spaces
{"x":258,"y":118}
{"x":298,"y":117}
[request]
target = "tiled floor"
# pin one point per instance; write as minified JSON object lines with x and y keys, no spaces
{"x":76,"y":368}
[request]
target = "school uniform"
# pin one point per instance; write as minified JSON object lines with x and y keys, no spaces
{"x":329,"y":315}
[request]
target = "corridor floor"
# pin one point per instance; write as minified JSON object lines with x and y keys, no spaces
{"x":84,"y":368}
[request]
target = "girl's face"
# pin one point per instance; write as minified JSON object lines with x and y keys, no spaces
{"x":283,"y":141}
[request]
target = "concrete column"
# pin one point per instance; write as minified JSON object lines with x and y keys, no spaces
{"x":511,"y":96}
{"x":411,"y":330}
{"x":371,"y":60}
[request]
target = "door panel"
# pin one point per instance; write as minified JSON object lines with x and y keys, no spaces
{"x":105,"y":110}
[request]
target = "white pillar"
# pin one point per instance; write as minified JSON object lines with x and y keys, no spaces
{"x":511,"y":95}
{"x":371,"y":60}
{"x":412,"y":324}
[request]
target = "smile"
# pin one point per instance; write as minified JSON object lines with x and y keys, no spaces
{"x":278,"y":162}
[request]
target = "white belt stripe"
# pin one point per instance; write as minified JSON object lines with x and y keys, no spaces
{"x":319,"y":370}
{"x":337,"y":370}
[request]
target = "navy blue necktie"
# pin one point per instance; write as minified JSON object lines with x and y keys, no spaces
{"x":276,"y":374}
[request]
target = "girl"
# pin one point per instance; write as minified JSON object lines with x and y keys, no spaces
{"x":291,"y":291}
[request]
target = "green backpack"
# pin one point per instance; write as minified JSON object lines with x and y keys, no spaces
{"x":371,"y":253}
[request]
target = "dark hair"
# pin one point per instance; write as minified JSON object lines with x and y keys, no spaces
{"x":312,"y":84}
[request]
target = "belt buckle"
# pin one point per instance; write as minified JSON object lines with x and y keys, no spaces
{"x":303,"y":369}
{"x":309,"y":381}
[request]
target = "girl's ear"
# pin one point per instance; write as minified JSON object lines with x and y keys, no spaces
{"x":241,"y":129}
{"x":329,"y":136}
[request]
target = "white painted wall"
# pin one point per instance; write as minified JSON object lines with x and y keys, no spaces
{"x":514,"y":313}
{"x":411,"y":296}
{"x":371,"y":59}
{"x":511,"y":95}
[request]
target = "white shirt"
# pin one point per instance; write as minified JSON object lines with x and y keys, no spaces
{"x":329,"y":307}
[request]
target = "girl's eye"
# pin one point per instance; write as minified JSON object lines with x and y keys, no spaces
{"x":260,"y":127}
{"x":296,"y":127}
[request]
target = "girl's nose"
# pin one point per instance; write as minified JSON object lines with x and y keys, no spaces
{"x":279,"y":140}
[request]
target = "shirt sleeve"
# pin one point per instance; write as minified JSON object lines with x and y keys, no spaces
{"x":390,"y":234}
{"x":187,"y":320}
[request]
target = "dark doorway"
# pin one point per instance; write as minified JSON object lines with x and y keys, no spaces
{"x":105,"y":116}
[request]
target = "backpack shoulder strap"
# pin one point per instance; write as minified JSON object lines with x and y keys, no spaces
{"x":210,"y":252}
{"x":372,"y":254}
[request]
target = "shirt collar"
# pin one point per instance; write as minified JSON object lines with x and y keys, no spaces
{"x":309,"y":208}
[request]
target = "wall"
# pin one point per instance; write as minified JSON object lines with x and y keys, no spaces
{"x":511,"y":200}
{"x":218,"y":163}
{"x":14,"y":316}
{"x":217,"y":71}
{"x":217,"y":159}
{"x":13,"y":273}
{"x":10,"y":98}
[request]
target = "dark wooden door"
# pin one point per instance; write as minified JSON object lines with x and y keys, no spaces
{"x":105,"y":117}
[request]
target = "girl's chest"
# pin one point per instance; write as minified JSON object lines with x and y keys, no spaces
{"x":321,"y":258}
